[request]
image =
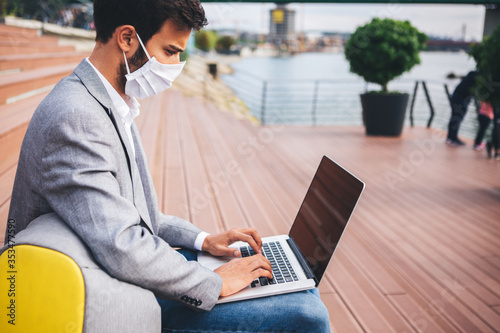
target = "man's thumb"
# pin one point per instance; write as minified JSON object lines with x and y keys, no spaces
{"x":231,"y":252}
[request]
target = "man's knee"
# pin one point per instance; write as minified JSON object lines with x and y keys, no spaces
{"x":314,"y":316}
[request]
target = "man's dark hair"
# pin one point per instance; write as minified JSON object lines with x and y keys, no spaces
{"x":146,"y":16}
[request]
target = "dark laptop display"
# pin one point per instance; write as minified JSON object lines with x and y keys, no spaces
{"x":324,"y":213}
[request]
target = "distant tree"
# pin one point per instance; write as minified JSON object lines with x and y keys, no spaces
{"x":205,"y":40}
{"x":184,"y":55}
{"x":224,"y":43}
{"x":487,"y":55}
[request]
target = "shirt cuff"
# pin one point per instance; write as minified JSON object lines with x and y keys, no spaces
{"x":198,"y":243}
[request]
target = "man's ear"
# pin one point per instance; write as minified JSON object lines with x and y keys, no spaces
{"x":126,"y":38}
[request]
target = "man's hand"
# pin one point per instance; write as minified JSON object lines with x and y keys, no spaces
{"x":218,"y":245}
{"x":239,"y":273}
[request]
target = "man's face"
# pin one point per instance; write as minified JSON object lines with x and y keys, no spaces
{"x":166,"y":46}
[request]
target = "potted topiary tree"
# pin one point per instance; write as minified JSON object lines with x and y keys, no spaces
{"x":379,"y":52}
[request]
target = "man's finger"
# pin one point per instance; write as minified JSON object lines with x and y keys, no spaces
{"x":260,"y":262}
{"x":262,"y":272}
{"x":241,"y":236}
{"x":255,"y":236}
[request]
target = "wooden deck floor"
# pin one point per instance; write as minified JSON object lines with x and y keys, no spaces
{"x":422,"y":251}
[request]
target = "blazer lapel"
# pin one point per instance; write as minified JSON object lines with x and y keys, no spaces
{"x":139,"y":194}
{"x":151,"y":201}
{"x":93,"y":83}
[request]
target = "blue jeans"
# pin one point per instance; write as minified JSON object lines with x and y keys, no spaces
{"x":294,"y":312}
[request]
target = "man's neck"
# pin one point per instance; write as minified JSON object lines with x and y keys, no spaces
{"x":107,"y":63}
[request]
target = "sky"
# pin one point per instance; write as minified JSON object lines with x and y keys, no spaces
{"x":435,"y":20}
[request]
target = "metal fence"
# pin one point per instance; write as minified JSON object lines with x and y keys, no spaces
{"x":337,"y":102}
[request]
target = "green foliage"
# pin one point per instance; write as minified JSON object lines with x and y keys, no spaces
{"x":487,"y":56}
{"x":383,"y":50}
{"x":37,"y":9}
{"x":205,"y":40}
{"x":183,"y":56}
{"x":224,"y":43}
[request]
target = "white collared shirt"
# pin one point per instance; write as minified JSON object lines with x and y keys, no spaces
{"x":128,"y":111}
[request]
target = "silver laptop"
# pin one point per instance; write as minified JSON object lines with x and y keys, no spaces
{"x":299,"y":259}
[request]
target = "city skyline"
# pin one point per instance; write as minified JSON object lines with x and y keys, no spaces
{"x":445,"y":21}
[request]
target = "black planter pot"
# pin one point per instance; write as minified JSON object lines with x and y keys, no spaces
{"x":384,"y":114}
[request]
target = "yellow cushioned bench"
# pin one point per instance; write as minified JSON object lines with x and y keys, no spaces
{"x":50,"y":283}
{"x":41,"y":290}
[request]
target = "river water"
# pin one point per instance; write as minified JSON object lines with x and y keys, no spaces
{"x":318,"y":88}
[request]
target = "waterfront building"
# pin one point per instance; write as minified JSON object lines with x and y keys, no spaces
{"x":282,"y":27}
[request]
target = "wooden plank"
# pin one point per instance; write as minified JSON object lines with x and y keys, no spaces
{"x":420,"y":320}
{"x":203,"y":212}
{"x":175,"y":197}
{"x":10,"y":146}
{"x":220,"y":172}
{"x":16,"y":84}
{"x":443,"y":296}
{"x":27,"y":38}
{"x":457,"y":256}
{"x":9,"y":29}
{"x":435,"y":242}
{"x":494,"y":261}
{"x":16,"y":114}
{"x":341,"y":319}
{"x":7,"y":183}
{"x":17,"y":47}
{"x":496,"y":308}
{"x":4,"y":213}
{"x":245,"y":185}
{"x":251,"y":149}
{"x":366,"y":312}
{"x":373,"y":265}
{"x":32,"y":61}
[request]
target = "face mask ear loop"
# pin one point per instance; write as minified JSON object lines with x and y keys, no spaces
{"x":143,"y":47}
{"x":126,"y":62}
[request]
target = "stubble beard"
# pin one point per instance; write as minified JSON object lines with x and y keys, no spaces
{"x":135,"y":62}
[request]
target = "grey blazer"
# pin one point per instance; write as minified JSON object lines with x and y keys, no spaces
{"x":76,"y":162}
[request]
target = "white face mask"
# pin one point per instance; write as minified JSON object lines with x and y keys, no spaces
{"x":152,"y":78}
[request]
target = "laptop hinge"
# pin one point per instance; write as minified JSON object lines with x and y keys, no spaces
{"x":302,"y":260}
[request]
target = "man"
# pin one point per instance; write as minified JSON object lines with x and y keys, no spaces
{"x":459,"y":100}
{"x":83,"y":160}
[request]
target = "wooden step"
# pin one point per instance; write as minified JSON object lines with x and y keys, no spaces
{"x":14,"y":119}
{"x":17,"y":31}
{"x":39,"y":60}
{"x":6,"y":185}
{"x":4,"y":212}
{"x":7,"y":47}
{"x":19,"y":83}
{"x":31,"y":38}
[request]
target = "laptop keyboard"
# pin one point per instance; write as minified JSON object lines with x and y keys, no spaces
{"x":282,"y":269}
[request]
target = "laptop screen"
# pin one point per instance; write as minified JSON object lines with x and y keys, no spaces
{"x":324,"y":214}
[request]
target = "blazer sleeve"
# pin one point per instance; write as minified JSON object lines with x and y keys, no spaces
{"x":177,"y":231}
{"x":79,"y":180}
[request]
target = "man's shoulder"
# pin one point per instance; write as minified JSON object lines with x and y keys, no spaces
{"x":68,"y":107}
{"x":70,"y":92}
{"x":69,"y":96}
